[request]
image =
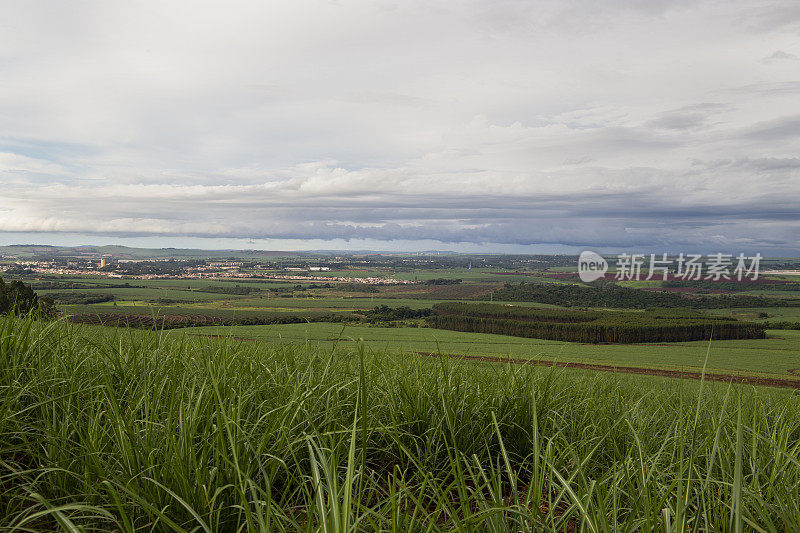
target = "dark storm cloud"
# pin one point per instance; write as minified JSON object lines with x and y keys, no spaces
{"x":772,"y":16}
{"x":778,"y":129}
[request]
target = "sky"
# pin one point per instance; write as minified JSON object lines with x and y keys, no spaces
{"x":476,"y":126}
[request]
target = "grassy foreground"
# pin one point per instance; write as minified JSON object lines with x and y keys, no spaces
{"x":135,"y":431}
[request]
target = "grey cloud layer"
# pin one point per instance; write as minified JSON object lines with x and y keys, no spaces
{"x":589,"y":124}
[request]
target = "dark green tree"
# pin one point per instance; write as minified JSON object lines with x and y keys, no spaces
{"x":21,"y":299}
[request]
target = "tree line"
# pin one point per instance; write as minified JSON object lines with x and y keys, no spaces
{"x":614,"y":296}
{"x":81,"y":298}
{"x":384,"y":313}
{"x":603,"y":327}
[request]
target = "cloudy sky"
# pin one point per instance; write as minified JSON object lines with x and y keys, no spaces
{"x":475,"y":125}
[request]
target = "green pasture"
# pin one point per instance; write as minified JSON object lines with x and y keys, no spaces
{"x":131,"y":308}
{"x":776,"y":314}
{"x":328,"y":302}
{"x":776,"y":355}
{"x":144,"y":294}
{"x":195,"y":284}
{"x":773,"y":293}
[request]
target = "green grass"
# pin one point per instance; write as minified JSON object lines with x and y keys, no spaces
{"x":132,"y":431}
{"x":136,"y":294}
{"x":473,"y":275}
{"x":775,"y":355}
{"x":776,"y":314}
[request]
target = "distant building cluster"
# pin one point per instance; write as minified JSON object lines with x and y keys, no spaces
{"x":368,"y":281}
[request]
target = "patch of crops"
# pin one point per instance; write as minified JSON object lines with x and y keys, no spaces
{"x":589,"y":326}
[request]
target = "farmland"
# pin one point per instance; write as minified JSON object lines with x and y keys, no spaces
{"x":263,"y":404}
{"x":318,"y":309}
{"x":777,"y":355}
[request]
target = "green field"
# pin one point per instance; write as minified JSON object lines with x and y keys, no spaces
{"x":776,"y":355}
{"x":790,"y":314}
{"x":146,"y":294}
{"x":472,"y":275}
{"x":200,"y":302}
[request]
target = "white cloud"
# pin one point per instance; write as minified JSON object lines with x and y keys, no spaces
{"x":510,"y":122}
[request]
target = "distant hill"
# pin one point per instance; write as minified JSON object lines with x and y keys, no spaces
{"x":125,"y":252}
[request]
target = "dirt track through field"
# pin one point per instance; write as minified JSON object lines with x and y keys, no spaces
{"x":786,"y":383}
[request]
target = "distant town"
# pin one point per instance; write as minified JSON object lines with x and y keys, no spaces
{"x":178,"y":268}
{"x":378,"y":268}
